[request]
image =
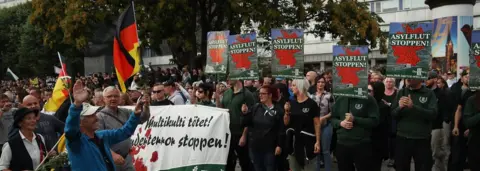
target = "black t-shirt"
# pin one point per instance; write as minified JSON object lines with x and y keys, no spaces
{"x":164,"y":102}
{"x":302,"y":114}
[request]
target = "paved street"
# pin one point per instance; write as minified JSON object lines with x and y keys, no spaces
{"x":384,"y":168}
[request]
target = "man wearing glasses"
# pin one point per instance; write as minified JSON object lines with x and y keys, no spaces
{"x":158,"y":96}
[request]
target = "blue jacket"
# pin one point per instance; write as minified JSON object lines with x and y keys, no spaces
{"x":83,"y":154}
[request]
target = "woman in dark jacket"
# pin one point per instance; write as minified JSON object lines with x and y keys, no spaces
{"x":26,"y":150}
{"x":380,"y":133}
{"x":266,"y":130}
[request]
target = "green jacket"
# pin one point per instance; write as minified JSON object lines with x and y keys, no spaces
{"x":471,"y":116}
{"x":366,"y":117}
{"x":415,"y":122}
{"x":233,"y":102}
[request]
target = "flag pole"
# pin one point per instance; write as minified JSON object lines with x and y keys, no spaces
{"x":65,"y":74}
{"x":48,"y":155}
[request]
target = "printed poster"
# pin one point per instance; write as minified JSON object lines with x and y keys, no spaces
{"x":474,"y":82}
{"x":287,"y":56}
{"x":409,"y":50}
{"x":180,"y":138}
{"x":350,"y":67}
{"x":451,"y":44}
{"x":217,"y":52}
{"x":243,"y":63}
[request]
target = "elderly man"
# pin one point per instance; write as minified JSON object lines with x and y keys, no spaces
{"x":113,"y":117}
{"x":47,"y":125}
{"x":89,"y":149}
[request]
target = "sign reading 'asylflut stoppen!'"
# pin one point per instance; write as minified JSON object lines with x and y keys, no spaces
{"x":410,"y":39}
{"x":351,"y":61}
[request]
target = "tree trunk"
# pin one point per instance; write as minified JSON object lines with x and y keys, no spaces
{"x":205,"y":28}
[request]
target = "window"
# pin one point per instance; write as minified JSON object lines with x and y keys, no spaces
{"x":378,"y":6}
{"x":390,"y":5}
{"x":412,"y":4}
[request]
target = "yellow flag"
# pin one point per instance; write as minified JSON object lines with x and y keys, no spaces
{"x":61,"y":147}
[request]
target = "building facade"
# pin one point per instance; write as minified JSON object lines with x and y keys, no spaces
{"x":318,"y":51}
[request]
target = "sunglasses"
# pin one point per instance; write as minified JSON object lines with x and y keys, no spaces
{"x":199,"y":91}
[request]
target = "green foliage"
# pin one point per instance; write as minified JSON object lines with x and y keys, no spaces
{"x":25,"y":52}
{"x":184,"y":24}
{"x":57,"y":161}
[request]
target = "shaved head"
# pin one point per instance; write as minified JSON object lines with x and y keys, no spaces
{"x":311,"y":76}
{"x":31,"y":102}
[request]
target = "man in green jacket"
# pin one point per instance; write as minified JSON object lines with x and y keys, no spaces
{"x":472,"y":122}
{"x":354,"y":126}
{"x":414,"y":109}
{"x":233,"y":99}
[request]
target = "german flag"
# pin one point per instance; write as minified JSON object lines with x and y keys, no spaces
{"x":60,"y":91}
{"x":125,"y":47}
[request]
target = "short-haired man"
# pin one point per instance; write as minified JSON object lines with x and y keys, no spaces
{"x":113,"y":117}
{"x":415,"y":109}
{"x":47,"y":93}
{"x":233,"y":99}
{"x":177,"y":97}
{"x":6,"y":118}
{"x":84,"y":141}
{"x":311,"y":76}
{"x":158,"y":96}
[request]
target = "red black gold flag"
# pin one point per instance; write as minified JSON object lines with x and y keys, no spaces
{"x":125,"y":47}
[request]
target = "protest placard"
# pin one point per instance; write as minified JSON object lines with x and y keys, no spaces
{"x":409,"y":50}
{"x":217,"y":52}
{"x":243,"y":63}
{"x":183,"y":137}
{"x":474,"y":80}
{"x":350,"y":66}
{"x":287,"y":53}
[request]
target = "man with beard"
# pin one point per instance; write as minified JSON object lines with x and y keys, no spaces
{"x":47,"y":125}
{"x":415,"y":109}
{"x":113,"y":117}
{"x":439,"y":142}
{"x":233,"y":99}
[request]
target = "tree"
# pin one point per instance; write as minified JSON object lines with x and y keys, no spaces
{"x":184,"y":24}
{"x":24,"y":51}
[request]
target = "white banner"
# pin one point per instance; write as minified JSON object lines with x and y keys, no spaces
{"x":181,"y":138}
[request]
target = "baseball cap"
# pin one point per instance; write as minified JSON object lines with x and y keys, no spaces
{"x":88,"y":110}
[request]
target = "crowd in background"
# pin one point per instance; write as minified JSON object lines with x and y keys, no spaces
{"x":283,"y":124}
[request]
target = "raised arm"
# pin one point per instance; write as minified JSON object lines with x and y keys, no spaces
{"x":72,"y":123}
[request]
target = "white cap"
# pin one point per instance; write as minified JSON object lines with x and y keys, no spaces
{"x":88,"y":109}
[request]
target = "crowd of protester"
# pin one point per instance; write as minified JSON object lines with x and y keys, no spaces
{"x":276,"y":123}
